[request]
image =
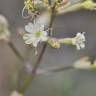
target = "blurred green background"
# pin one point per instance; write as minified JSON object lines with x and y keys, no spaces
{"x":67,"y":83}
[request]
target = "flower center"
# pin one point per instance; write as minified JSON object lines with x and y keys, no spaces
{"x":38,"y":34}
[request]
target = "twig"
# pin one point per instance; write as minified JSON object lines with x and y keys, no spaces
{"x":53,"y":70}
{"x":15,"y":51}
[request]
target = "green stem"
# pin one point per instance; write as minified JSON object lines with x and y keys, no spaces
{"x":15,"y":51}
{"x":20,"y":72}
{"x":59,"y":69}
{"x":30,"y":77}
{"x":54,"y":70}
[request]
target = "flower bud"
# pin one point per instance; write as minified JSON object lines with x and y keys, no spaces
{"x":4,"y":32}
{"x":89,"y":4}
{"x":54,"y":43}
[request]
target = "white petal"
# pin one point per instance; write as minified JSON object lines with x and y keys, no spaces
{"x":78,"y":35}
{"x":36,"y":27}
{"x":44,"y":38}
{"x":83,"y":37}
{"x":74,"y":41}
{"x":78,"y":46}
{"x":29,"y":28}
{"x":82,"y":45}
{"x":29,"y":41}
{"x":44,"y":33}
{"x":35,"y":43}
{"x":25,"y":36}
{"x":28,"y":36}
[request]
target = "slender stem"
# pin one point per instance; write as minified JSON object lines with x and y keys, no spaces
{"x":30,"y":77}
{"x":47,"y":71}
{"x":60,"y":69}
{"x":70,"y":8}
{"x":15,"y":51}
{"x":20,"y":72}
{"x":54,"y":70}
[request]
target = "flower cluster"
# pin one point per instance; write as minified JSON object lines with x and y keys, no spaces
{"x":36,"y":32}
{"x":31,"y":7}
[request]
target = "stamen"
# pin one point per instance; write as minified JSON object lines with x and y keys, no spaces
{"x":23,"y":11}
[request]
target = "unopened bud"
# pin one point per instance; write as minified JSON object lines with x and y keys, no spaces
{"x":89,"y":4}
{"x":4,"y":32}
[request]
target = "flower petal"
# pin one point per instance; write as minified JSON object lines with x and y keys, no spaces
{"x":36,"y":27}
{"x":29,"y":28}
{"x":37,"y":2}
{"x":78,"y":34}
{"x":83,"y":37}
{"x":44,"y":38}
{"x":29,"y":41}
{"x":82,"y":45}
{"x":35,"y":43}
{"x":44,"y":33}
{"x":78,"y":46}
{"x":41,"y":27}
{"x":28,"y":36}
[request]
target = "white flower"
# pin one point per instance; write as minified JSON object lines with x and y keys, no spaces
{"x":15,"y":93}
{"x":79,"y":41}
{"x":35,"y":34}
